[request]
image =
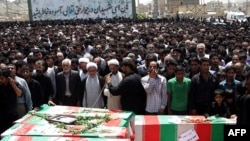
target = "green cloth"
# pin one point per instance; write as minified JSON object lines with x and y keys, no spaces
{"x":179,"y":93}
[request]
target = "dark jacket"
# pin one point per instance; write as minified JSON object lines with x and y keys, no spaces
{"x":36,"y":92}
{"x":243,"y":104}
{"x":133,"y":94}
{"x":218,"y":110}
{"x":202,"y":93}
{"x":46,"y":85}
{"x":74,"y":87}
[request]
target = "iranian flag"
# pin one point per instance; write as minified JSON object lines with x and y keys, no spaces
{"x":177,"y":128}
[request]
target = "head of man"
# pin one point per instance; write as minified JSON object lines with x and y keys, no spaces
{"x":194,"y":64}
{"x":214,"y":59}
{"x":4,"y":74}
{"x":113,"y":66}
{"x":176,"y":54}
{"x":83,"y":63}
{"x":235,"y":58}
{"x":12,"y":69}
{"x":19,"y":64}
{"x":200,"y":48}
{"x":26,"y":72}
{"x":239,"y":67}
{"x":204,"y":65}
{"x":179,"y":73}
{"x":98,"y":61}
{"x":229,"y":73}
{"x":170,"y":67}
{"x":37,"y":53}
{"x":41,"y":67}
{"x":92,"y":69}
{"x":66,"y":65}
{"x":153,"y":66}
{"x":127,"y":65}
{"x":150,"y":57}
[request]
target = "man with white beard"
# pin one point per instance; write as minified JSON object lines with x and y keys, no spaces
{"x":82,"y":67}
{"x":93,"y":86}
{"x":68,"y":86}
{"x":113,"y":102}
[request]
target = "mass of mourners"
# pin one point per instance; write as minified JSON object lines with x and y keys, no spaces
{"x":169,"y":66}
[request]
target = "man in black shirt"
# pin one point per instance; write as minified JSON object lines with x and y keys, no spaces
{"x":9,"y":91}
{"x":133,"y":94}
{"x":202,"y":89}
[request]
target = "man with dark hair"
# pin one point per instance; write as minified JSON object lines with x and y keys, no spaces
{"x":230,"y":82}
{"x":8,"y":99}
{"x":44,"y":80}
{"x":156,"y":88}
{"x":34,"y":87}
{"x":194,"y":67}
{"x":24,"y":103}
{"x":133,"y":94}
{"x":168,"y":71}
{"x":202,"y":89}
{"x":243,"y":104}
{"x":143,"y":69}
{"x":215,"y":63}
{"x":178,"y":91}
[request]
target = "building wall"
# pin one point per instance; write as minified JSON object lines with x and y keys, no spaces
{"x":173,"y":4}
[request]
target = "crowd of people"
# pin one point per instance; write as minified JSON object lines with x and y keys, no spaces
{"x":150,"y":67}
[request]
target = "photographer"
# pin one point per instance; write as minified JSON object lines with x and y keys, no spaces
{"x":8,"y":106}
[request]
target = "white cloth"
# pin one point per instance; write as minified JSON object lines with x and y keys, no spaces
{"x":92,"y":96}
{"x":114,"y":62}
{"x":51,"y":73}
{"x":92,"y":64}
{"x":83,"y":60}
{"x":114,"y":101}
{"x":82,"y":74}
{"x":67,"y":91}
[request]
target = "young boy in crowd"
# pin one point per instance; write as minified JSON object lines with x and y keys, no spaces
{"x":230,"y":102}
{"x":177,"y":90}
{"x":218,"y":107}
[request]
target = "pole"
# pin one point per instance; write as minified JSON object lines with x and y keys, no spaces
{"x":7,"y":10}
{"x":247,"y":7}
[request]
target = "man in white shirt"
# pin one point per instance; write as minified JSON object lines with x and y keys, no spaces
{"x":113,"y":102}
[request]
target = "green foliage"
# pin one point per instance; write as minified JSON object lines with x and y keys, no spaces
{"x":86,"y":121}
{"x":141,"y":16}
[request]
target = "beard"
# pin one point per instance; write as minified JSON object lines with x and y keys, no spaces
{"x":84,"y":71}
{"x":66,"y":70}
{"x":39,"y":71}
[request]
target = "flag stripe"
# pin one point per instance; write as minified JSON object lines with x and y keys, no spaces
{"x":203,"y":131}
{"x":217,"y":132}
{"x":152,"y":129}
{"x":168,"y":129}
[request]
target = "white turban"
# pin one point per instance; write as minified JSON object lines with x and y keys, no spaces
{"x":84,"y":60}
{"x":114,"y":62}
{"x":91,"y":64}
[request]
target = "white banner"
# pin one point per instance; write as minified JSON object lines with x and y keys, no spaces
{"x":80,"y":9}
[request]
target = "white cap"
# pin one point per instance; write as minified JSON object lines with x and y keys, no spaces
{"x":114,"y":62}
{"x":83,"y":60}
{"x":91,"y":64}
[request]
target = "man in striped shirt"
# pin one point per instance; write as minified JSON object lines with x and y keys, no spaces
{"x":156,"y":88}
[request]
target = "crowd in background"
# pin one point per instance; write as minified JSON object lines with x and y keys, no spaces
{"x":152,"y":66}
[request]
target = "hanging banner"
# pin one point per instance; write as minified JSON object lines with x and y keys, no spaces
{"x":80,"y":9}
